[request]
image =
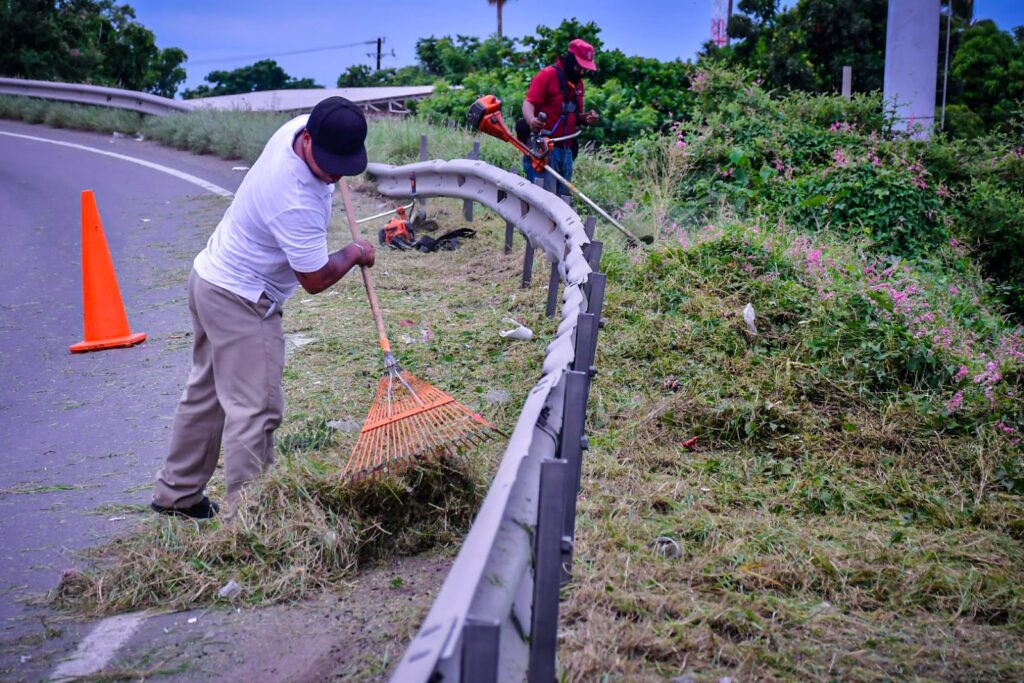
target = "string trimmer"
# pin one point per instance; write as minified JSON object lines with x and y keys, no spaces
{"x":485,"y":116}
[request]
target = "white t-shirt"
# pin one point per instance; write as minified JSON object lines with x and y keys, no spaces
{"x":277,"y":224}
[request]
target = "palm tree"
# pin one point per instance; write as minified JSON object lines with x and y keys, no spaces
{"x":500,"y":4}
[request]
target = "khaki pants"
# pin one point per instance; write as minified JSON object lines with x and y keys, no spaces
{"x":233,"y":392}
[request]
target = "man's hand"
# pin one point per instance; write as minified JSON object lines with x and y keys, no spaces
{"x":357,"y":253}
{"x":367,"y":255}
{"x":536,"y":123}
{"x":591,"y":117}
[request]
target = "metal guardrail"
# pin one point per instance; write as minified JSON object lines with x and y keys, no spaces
{"x":142,"y":102}
{"x":383,"y":100}
{"x":496,"y":616}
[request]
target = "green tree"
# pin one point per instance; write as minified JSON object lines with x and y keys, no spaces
{"x":551,"y":43}
{"x":265,"y":74}
{"x":85,"y":41}
{"x":989,"y":69}
{"x":806,"y":46}
{"x":362,"y":76}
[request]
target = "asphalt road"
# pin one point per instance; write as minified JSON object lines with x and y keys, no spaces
{"x":81,"y":435}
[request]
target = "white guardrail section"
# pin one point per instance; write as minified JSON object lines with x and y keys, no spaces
{"x":390,"y":100}
{"x":491,"y":581}
{"x":142,"y":102}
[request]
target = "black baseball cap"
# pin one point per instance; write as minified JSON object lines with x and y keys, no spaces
{"x":338,"y":129}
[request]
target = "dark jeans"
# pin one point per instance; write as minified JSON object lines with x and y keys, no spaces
{"x":560,"y":159}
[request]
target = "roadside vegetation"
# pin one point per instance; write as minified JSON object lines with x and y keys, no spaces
{"x":840,"y":481}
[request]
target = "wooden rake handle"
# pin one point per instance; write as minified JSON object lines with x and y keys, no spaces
{"x":371,"y":293}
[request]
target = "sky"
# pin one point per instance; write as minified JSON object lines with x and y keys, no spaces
{"x":227,"y":34}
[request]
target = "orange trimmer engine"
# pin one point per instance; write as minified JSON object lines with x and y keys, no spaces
{"x":397,"y":228}
{"x":485,"y":116}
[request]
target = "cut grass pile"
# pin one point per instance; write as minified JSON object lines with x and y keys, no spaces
{"x":300,"y":532}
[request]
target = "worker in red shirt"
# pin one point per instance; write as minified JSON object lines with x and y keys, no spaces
{"x":557,"y":91}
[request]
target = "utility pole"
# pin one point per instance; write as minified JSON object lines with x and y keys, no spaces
{"x":911,"y":63}
{"x":380,"y":41}
{"x":945,"y":69}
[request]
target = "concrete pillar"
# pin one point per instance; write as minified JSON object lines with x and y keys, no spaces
{"x":911,"y":63}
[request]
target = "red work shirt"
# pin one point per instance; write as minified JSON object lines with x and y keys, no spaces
{"x":546,"y":96}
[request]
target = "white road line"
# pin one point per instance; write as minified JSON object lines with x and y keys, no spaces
{"x":99,"y":647}
{"x":187,"y":177}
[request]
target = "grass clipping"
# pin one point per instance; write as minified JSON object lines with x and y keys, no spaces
{"x":298,"y":531}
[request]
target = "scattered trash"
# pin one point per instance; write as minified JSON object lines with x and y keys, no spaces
{"x":231,"y":590}
{"x":26,"y":658}
{"x":749,"y":316}
{"x":690,"y":444}
{"x":115,"y":135}
{"x":496,"y":396}
{"x":519,"y":332}
{"x":193,"y":620}
{"x":345,"y":425}
{"x":146,"y":220}
{"x":668,"y":547}
{"x":292,"y":342}
{"x":117,"y":519}
{"x":239,"y":168}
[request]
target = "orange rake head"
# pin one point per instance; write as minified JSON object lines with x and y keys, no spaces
{"x":410,"y":420}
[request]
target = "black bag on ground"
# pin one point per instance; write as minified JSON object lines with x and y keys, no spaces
{"x":446,"y":242}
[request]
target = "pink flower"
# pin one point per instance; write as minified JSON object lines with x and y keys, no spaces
{"x":961,"y":373}
{"x":954,"y":290}
{"x":954,"y":403}
{"x":1005,"y":428}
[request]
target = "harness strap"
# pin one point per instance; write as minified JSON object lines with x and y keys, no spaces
{"x":563,"y":85}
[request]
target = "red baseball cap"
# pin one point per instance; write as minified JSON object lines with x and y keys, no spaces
{"x":584,"y":54}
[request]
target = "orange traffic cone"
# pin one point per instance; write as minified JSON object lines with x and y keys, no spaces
{"x":106,"y":325}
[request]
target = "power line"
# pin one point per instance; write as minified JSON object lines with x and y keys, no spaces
{"x":240,"y":58}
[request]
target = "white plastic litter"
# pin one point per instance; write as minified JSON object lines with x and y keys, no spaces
{"x":668,"y":547}
{"x":518,"y":332}
{"x":231,"y":590}
{"x":749,"y":317}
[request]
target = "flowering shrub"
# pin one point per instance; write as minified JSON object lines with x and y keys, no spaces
{"x":884,"y":328}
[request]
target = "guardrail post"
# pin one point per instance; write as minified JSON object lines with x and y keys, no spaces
{"x":467,"y":205}
{"x":480,"y":646}
{"x":593,"y":252}
{"x":528,"y":256}
{"x":546,"y":572}
{"x":554,"y":280}
{"x":510,"y":231}
{"x":594,"y":291}
{"x":570,"y":449}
